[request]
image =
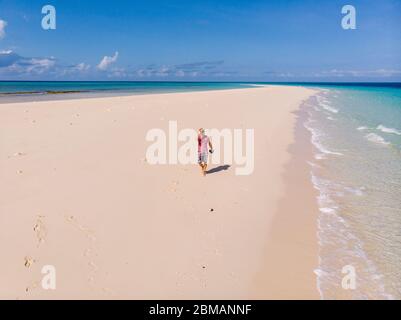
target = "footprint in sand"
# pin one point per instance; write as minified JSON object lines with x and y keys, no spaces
{"x":89,"y":253}
{"x":19,"y":154}
{"x":174,"y":186}
{"x":32,"y":287}
{"x":181,"y":279}
{"x":28,"y":262}
{"x":93,"y":266}
{"x":92,"y":273}
{"x":108,"y":291}
{"x":40,"y":230}
{"x":41,"y":233}
{"x":89,"y":233}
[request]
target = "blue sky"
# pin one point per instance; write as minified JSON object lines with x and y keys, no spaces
{"x":225,"y":40}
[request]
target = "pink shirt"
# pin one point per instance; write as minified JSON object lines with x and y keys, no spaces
{"x":203,"y":142}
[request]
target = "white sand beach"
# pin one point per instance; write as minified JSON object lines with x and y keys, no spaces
{"x":78,"y":194}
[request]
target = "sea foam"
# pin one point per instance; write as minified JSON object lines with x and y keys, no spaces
{"x":388,"y":130}
{"x":316,"y":136}
{"x":373,"y":137}
{"x":329,"y":108}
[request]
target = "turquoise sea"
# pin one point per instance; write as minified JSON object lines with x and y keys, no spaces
{"x":34,"y":90}
{"x":21,"y":88}
{"x":356,"y":169}
{"x":356,"y":132}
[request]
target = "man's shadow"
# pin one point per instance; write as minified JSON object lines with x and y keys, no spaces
{"x":218,"y":169}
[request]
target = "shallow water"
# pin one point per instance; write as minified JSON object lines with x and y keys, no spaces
{"x":25,"y":91}
{"x":356,"y":132}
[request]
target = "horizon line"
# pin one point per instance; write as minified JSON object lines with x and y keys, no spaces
{"x":204,"y":81}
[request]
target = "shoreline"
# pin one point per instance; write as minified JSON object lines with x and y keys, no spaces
{"x":347,"y":197}
{"x":57,"y":95}
{"x":293,"y":239}
{"x":75,"y":179}
{"x":84,"y":95}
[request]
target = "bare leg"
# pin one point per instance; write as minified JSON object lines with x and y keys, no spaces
{"x":203,"y":168}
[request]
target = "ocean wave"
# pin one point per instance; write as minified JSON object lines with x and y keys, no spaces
{"x":388,"y":130}
{"x":339,"y":239}
{"x":375,"y":138}
{"x":329,"y":108}
{"x":355,"y":191}
{"x":325,"y":104}
{"x":316,"y":136}
{"x":327,"y":210}
{"x":335,"y":233}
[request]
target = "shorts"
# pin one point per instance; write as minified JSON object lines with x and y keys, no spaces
{"x":202,"y":157}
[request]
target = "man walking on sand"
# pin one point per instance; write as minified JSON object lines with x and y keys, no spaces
{"x":203,"y":143}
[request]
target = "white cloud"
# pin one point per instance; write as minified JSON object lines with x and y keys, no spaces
{"x":3,"y":25}
{"x":163,"y":71}
{"x":13,"y":64}
{"x":118,"y":73}
{"x":82,"y":67}
{"x":107,"y":61}
{"x":35,"y":65}
{"x":195,"y":69}
{"x":72,"y":70}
